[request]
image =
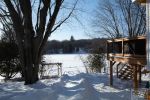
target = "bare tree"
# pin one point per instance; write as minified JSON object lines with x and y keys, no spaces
{"x":120,"y":18}
{"x":134,"y":16}
{"x":33,"y":22}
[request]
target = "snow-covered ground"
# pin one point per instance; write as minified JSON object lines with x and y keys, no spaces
{"x":72,"y":63}
{"x":74,"y":84}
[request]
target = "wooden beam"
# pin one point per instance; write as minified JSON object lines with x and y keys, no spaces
{"x":135,"y":78}
{"x":113,"y":63}
{"x":117,"y":68}
{"x":117,"y":71}
{"x":140,"y":1}
{"x":107,"y":50}
{"x":129,"y":60}
{"x":61,"y":70}
{"x":127,"y":39}
{"x":111,"y":73}
{"x":123,"y":47}
{"x":140,"y":75}
{"x":58,"y":70}
{"x":126,"y":55}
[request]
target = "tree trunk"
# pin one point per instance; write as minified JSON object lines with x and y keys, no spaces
{"x":31,"y":41}
{"x":31,"y":60}
{"x":31,"y":71}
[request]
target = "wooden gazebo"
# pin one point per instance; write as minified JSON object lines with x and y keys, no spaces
{"x":130,"y":56}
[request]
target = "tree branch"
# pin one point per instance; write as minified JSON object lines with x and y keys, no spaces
{"x":65,"y":18}
{"x":17,"y":23}
{"x":43,"y":14}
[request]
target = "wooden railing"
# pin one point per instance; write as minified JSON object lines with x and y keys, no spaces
{"x":127,"y":47}
{"x":47,"y":67}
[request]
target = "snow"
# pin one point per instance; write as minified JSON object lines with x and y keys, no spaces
{"x":79,"y":87}
{"x":74,"y":84}
{"x":72,"y":63}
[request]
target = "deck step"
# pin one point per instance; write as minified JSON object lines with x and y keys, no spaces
{"x":126,"y":73}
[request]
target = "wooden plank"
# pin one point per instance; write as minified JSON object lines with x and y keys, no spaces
{"x":115,"y":54}
{"x":51,"y":63}
{"x":126,"y":55}
{"x":141,"y":1}
{"x":130,"y":60}
{"x":115,"y":40}
{"x":127,"y":39}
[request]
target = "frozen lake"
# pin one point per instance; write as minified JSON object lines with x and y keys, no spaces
{"x":71,"y":63}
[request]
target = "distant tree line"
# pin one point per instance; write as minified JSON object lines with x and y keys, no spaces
{"x":74,"y":46}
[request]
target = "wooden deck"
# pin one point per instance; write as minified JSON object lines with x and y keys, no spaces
{"x":130,"y":51}
{"x":119,"y":50}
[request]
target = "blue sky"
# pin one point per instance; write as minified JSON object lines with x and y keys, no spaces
{"x":75,"y":28}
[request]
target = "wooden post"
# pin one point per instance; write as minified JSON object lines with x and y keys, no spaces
{"x":61,"y":69}
{"x":140,"y":75}
{"x":117,"y":69}
{"x":122,"y":47}
{"x":109,"y":49}
{"x":42,"y":71}
{"x":58,"y":68}
{"x":135,"y":78}
{"x":111,"y":73}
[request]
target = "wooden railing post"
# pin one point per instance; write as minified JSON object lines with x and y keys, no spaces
{"x":117,"y":69}
{"x":135,"y":78}
{"x":58,"y":69}
{"x":61,"y":69}
{"x":107,"y":50}
{"x":139,"y":70}
{"x":111,"y":73}
{"x":122,"y":47}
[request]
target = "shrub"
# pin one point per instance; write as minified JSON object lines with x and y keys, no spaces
{"x":96,"y":60}
{"x":9,"y":60}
